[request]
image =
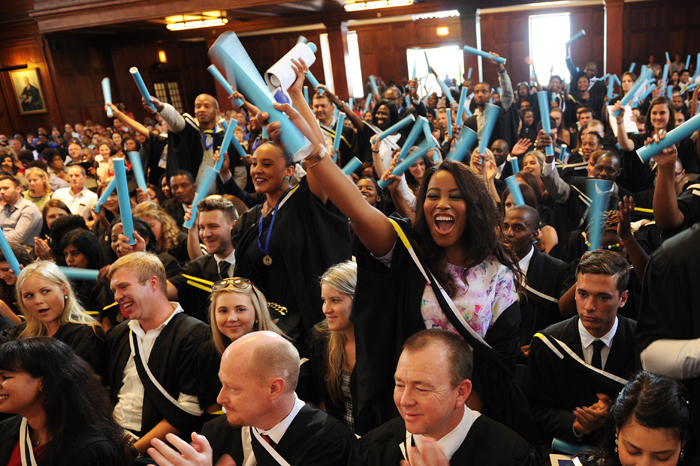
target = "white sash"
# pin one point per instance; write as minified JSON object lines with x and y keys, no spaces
{"x":25,"y":445}
{"x":276,"y":456}
{"x":142,"y":355}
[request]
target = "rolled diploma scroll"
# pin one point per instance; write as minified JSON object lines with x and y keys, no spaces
{"x":665,"y":76}
{"x":446,"y":91}
{"x":228,"y":50}
{"x":596,"y":190}
{"x":203,"y":188}
{"x":611,"y":85}
{"x":396,"y":127}
{"x":481,"y":53}
{"x":469,"y":74}
{"x":124,"y":201}
{"x":412,"y":158}
{"x":80,"y":274}
{"x":373,"y":80}
{"x":577,"y":36}
{"x":633,"y":90}
{"x":106,"y":193}
{"x":687,"y":62}
{"x":228,"y":135}
{"x":514,"y":165}
{"x":467,"y":138}
{"x":544,"y":111}
{"x":631,"y":70}
{"x":141,"y":85}
{"x":306,"y":94}
{"x":490,"y":118}
{"x":449,"y":123}
{"x":515,"y":191}
{"x":9,"y":255}
{"x":281,"y":74}
{"x":412,"y":136}
{"x":137,"y":168}
{"x":225,"y":84}
{"x":367,"y":102}
{"x":107,"y":92}
{"x":673,"y":136}
{"x":338,"y":134}
{"x":352,"y":165}
{"x":462,"y":98}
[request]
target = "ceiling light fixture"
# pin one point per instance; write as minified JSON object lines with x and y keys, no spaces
{"x":196,"y":21}
{"x":443,"y":31}
{"x":374,"y":5}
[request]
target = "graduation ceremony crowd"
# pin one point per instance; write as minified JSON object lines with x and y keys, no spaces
{"x":309,"y":317}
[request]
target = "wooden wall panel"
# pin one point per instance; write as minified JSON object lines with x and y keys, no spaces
{"x":383,"y":46}
{"x":508,"y":35}
{"x":652,"y":28}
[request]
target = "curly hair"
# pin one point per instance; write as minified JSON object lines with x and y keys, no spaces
{"x":482,"y":234}
{"x":147,"y":210}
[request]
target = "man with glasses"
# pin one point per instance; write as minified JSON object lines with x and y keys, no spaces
{"x":214,"y":223}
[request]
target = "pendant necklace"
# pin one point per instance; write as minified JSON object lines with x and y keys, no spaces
{"x":267,"y":260}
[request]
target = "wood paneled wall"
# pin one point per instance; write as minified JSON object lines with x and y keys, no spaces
{"x":653,"y":28}
{"x":508,"y":35}
{"x":383,"y":46}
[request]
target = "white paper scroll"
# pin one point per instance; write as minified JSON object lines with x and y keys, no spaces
{"x":630,"y":125}
{"x":281,"y":74}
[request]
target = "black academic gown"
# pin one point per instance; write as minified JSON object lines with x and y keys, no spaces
{"x":89,"y":448}
{"x":175,"y":209}
{"x":307,"y":238}
{"x":348,"y":143}
{"x":545,"y":275}
{"x":487,"y":443}
{"x":671,"y":298}
{"x":555,"y":387}
{"x":312,"y":439}
{"x":86,"y":341}
{"x":194,"y":300}
{"x":173,"y":361}
{"x":386,"y":311}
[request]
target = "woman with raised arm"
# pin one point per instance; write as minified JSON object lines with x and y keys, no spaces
{"x":454,"y":245}
{"x":284,"y":244}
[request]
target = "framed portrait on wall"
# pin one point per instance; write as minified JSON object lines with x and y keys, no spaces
{"x":27,"y":87}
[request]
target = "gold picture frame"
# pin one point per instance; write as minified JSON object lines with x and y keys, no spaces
{"x":28,"y":91}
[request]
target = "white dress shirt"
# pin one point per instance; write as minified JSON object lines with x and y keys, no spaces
{"x":587,"y":343}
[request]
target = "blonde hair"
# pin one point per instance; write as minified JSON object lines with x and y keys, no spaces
{"x":144,"y":264}
{"x":169,"y":227}
{"x":539,"y":156}
{"x":263,"y":321}
{"x":39,"y":172}
{"x":342,"y":278}
{"x":73,"y":312}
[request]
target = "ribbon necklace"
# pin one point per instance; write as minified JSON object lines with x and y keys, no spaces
{"x":213,"y":137}
{"x":267,"y":260}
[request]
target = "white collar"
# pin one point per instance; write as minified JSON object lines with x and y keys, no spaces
{"x":135,"y":325}
{"x":451,"y":442}
{"x":231,"y":258}
{"x":524,"y":263}
{"x":587,"y":339}
{"x":277,"y":432}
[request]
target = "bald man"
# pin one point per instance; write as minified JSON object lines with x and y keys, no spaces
{"x":192,"y":141}
{"x":264,"y":417}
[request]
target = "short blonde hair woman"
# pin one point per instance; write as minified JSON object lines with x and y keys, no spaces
{"x":39,"y":191}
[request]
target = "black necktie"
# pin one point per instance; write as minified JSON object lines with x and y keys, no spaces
{"x":597,"y":360}
{"x":223,"y":269}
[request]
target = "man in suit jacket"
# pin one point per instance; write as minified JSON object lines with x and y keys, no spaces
{"x":570,"y":395}
{"x":183,"y":188}
{"x":544,"y":274}
{"x":432,"y":385}
{"x":264,"y":418}
{"x":214,"y":223}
